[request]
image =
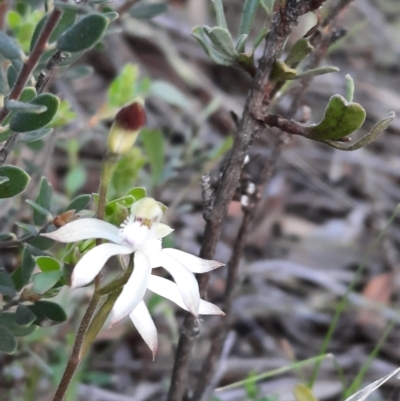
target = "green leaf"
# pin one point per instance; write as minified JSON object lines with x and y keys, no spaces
{"x":41,"y":243}
{"x":147,"y":10}
{"x":282,"y":71}
{"x":199,"y":34}
{"x":222,"y":40}
{"x":13,"y":19}
{"x":219,"y":12}
{"x":367,"y":139}
{"x":241,"y":43}
{"x":247,"y":18}
{"x":154,"y":143}
{"x":349,"y":88}
{"x":111,"y":15}
{"x":43,"y":282}
{"x":75,"y":179}
{"x":67,"y":19}
{"x":341,"y":119}
{"x":7,"y":319}
{"x":12,"y":74}
{"x":170,"y":94}
{"x":137,"y":193}
{"x":299,"y":51}
{"x":122,"y":88}
{"x":27,"y":95}
{"x":39,"y":210}
{"x":268,"y":6}
{"x":84,"y":34}
{"x":6,"y":284}
{"x":24,"y":316}
{"x":48,"y":313}
{"x":25,"y":122}
{"x":3,"y":180}
{"x":23,"y":274}
{"x":315,"y":72}
{"x":8,"y":343}
{"x":47,"y":264}
{"x":44,"y":200}
{"x":16,"y":105}
{"x":32,"y":136}
{"x":79,"y":203}
{"x":18,"y":179}
{"x":9,"y":48}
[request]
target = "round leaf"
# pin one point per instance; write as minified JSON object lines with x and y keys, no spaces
{"x":8,"y":343}
{"x":84,"y":34}
{"x":25,"y":122}
{"x":341,"y":119}
{"x":43,"y":282}
{"x":17,"y":181}
{"x":24,"y":316}
{"x":8,"y":320}
{"x":9,"y":48}
{"x":46,"y":311}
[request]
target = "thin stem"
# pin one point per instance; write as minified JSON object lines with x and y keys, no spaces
{"x":74,"y":359}
{"x":3,"y":13}
{"x":81,"y":337}
{"x":25,"y":74}
{"x":249,"y":128}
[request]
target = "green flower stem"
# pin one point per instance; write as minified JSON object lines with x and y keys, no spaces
{"x":106,"y":174}
{"x":89,"y":324}
{"x":75,"y":358}
{"x":98,"y":322}
{"x":115,"y":285}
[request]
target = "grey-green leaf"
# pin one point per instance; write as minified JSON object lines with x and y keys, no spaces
{"x":84,"y":34}
{"x":24,"y":316}
{"x":48,"y":313}
{"x":44,"y":200}
{"x":6,"y":284}
{"x":8,"y":319}
{"x":220,"y":14}
{"x":367,"y":139}
{"x":247,"y":18}
{"x":219,"y":58}
{"x":8,"y":342}
{"x":9,"y":48}
{"x":147,"y":10}
{"x":35,"y":135}
{"x":43,"y":282}
{"x":25,"y":122}
{"x":18,"y":179}
{"x":16,"y":105}
{"x":222,"y":40}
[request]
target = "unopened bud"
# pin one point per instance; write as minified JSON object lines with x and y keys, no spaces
{"x":126,"y":127}
{"x":147,"y":211}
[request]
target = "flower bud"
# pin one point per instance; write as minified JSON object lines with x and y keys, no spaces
{"x":147,"y":211}
{"x":126,"y":127}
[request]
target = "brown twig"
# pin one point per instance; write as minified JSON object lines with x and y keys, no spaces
{"x":26,"y":73}
{"x":249,"y":128}
{"x":3,"y":13}
{"x":126,"y":6}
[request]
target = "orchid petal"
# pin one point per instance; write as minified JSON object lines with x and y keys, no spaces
{"x":82,"y":229}
{"x":168,"y":289}
{"x":133,"y":290}
{"x":191,"y":262}
{"x":144,"y":324}
{"x":93,"y":261}
{"x":183,"y":277}
{"x":162,"y":230}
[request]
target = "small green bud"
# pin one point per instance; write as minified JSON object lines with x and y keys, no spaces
{"x":126,"y":127}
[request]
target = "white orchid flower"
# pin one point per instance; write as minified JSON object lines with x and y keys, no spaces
{"x":140,"y":235}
